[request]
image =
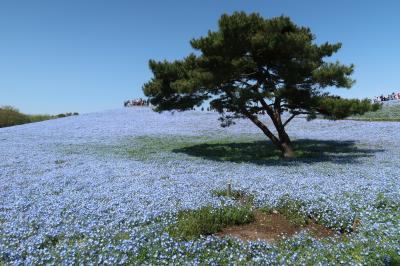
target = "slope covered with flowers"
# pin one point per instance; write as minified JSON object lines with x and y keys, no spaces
{"x":102,"y":187}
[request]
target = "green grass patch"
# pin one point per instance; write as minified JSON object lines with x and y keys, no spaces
{"x":39,"y":118}
{"x":121,"y":236}
{"x":51,"y":241}
{"x":251,"y":148}
{"x":238,"y":195}
{"x":386,"y":113}
{"x":208,"y":220}
{"x":291,"y":210}
{"x":384,"y":203}
{"x":264,"y":152}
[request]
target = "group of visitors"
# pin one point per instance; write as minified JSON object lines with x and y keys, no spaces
{"x":137,"y":102}
{"x":390,"y":97}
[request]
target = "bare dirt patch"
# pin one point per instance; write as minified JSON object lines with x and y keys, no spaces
{"x":271,"y":227}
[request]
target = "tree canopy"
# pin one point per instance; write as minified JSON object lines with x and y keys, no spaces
{"x":252,"y":65}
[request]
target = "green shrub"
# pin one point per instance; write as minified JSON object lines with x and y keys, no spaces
{"x":291,"y":209}
{"x":392,"y":257}
{"x":10,"y":108}
{"x":66,"y":114}
{"x":208,"y":220}
{"x":39,"y":118}
{"x":386,"y":113}
{"x":10,"y":116}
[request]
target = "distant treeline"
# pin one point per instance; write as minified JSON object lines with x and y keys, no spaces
{"x":10,"y":116}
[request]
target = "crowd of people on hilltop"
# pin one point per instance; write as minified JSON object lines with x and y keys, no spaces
{"x":136,"y":102}
{"x":390,"y":97}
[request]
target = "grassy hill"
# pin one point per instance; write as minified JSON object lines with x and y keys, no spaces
{"x":389,"y":112}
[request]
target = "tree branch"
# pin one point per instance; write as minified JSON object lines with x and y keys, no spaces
{"x":249,"y":74}
{"x":261,"y":125}
{"x":294,"y":114}
{"x":277,"y":109}
{"x":255,"y":120}
{"x":290,"y":119}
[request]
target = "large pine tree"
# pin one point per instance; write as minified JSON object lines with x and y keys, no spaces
{"x":252,"y":65}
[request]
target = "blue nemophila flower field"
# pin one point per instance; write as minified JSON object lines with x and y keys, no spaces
{"x":101,"y":189}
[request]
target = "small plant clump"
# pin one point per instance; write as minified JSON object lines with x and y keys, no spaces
{"x":208,"y":220}
{"x":245,"y":221}
{"x":291,"y":210}
{"x":384,"y":203}
{"x":238,"y":195}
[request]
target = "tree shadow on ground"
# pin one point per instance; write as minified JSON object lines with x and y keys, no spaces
{"x":265,"y":153}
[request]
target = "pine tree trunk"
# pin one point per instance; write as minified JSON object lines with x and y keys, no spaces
{"x":287,"y":150}
{"x":285,"y":144}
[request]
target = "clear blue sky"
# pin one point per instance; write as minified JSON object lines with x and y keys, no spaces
{"x":84,"y":56}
